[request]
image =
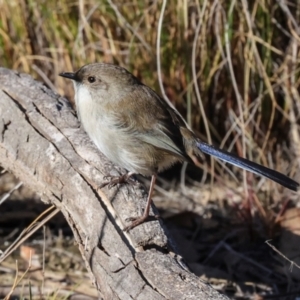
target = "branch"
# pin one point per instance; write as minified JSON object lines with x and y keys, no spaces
{"x":42,"y":143}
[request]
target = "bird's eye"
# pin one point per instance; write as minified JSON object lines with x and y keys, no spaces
{"x":91,"y":79}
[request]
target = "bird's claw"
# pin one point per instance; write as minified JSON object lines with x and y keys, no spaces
{"x":135,"y":221}
{"x":114,"y":180}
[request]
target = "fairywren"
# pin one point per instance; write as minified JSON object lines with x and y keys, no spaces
{"x":138,"y":130}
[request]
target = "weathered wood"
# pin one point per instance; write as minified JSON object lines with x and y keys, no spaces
{"x":42,"y":143}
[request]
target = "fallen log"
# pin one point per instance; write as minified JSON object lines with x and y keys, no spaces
{"x":43,"y":144}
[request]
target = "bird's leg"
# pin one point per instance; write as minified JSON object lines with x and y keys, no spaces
{"x":139,"y":220}
{"x":114,"y":180}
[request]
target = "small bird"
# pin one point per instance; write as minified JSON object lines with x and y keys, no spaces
{"x":140,"y":131}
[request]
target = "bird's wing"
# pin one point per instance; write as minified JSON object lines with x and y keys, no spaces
{"x":152,"y":120}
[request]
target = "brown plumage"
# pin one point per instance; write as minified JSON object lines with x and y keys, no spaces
{"x":140,"y":131}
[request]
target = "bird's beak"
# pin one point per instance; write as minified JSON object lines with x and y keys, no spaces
{"x":69,"y":75}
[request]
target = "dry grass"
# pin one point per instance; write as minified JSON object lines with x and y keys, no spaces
{"x":230,"y":67}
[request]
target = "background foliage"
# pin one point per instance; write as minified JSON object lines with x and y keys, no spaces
{"x":230,"y":67}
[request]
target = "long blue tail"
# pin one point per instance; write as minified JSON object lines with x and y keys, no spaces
{"x":248,"y":165}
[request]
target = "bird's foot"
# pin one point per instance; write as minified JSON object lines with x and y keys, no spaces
{"x":135,"y":221}
{"x":114,"y":180}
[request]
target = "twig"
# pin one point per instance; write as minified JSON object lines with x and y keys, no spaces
{"x":29,"y":231}
{"x":282,"y":255}
{"x":7,"y":195}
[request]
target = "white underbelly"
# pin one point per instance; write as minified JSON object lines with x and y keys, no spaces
{"x":103,"y":131}
{"x":117,"y":146}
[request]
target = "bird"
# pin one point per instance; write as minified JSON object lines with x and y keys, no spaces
{"x":140,"y":131}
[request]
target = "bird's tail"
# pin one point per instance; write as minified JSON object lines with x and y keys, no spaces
{"x":248,"y":165}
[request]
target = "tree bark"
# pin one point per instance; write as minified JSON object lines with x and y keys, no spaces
{"x":42,"y":143}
